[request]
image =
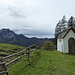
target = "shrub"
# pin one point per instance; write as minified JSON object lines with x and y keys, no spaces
{"x":48,"y":45}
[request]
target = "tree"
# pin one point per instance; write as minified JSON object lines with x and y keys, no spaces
{"x":48,"y":45}
{"x":61,"y":26}
{"x":70,"y":22}
{"x":64,"y":20}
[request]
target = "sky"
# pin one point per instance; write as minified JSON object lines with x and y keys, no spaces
{"x":34,"y":18}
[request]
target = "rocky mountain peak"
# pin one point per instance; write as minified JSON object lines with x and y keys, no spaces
{"x":6,"y":33}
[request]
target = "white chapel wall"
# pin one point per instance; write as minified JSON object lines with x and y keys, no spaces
{"x":71,"y":34}
{"x":60,"y":45}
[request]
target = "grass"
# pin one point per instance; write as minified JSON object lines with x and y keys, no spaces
{"x":8,"y":49}
{"x":45,"y":63}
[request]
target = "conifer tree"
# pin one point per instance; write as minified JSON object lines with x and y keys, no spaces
{"x":71,"y":22}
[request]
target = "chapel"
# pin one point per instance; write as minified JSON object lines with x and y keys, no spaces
{"x":65,"y":34}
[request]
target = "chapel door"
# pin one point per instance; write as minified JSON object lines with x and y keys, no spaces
{"x":71,"y":45}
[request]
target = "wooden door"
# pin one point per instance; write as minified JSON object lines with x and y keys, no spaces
{"x":71,"y":45}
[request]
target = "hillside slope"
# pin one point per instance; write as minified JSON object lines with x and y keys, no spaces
{"x":7,"y":49}
{"x":45,"y":63}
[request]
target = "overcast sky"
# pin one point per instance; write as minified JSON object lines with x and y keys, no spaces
{"x":34,"y":18}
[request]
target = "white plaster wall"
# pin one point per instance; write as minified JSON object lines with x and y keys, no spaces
{"x":70,"y":34}
{"x":60,"y":45}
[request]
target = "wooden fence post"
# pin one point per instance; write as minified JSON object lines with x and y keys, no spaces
{"x":4,"y":66}
{"x":28,"y":52}
{"x":36,"y":47}
{"x":55,"y":46}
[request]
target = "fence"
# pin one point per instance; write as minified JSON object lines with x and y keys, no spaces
{"x":3,"y":65}
{"x":51,"y":48}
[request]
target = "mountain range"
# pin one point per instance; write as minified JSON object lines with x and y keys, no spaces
{"x":10,"y":37}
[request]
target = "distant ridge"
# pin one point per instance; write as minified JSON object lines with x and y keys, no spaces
{"x":10,"y":37}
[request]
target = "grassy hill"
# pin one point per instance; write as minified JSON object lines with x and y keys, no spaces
{"x":7,"y":49}
{"x":45,"y":63}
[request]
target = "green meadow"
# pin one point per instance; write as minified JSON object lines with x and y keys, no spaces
{"x":45,"y":63}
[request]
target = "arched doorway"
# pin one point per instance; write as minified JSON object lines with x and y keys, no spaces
{"x":71,"y":45}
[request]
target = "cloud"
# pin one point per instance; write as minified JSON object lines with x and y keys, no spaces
{"x":31,"y":32}
{"x":30,"y":3}
{"x":15,"y":12}
{"x":34,"y":17}
{"x":7,"y":3}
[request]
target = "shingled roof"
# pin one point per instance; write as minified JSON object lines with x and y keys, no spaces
{"x":64,"y":33}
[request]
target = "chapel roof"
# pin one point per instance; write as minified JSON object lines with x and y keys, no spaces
{"x":65,"y":32}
